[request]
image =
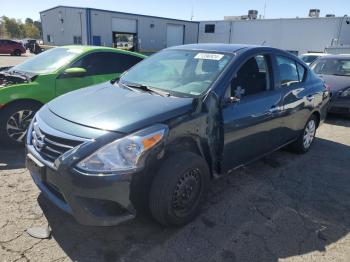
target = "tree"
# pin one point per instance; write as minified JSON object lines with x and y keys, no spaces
{"x":31,"y":31}
{"x":12,"y":28}
{"x":29,"y":21}
{"x":38,"y":25}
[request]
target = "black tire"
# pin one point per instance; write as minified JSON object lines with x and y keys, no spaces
{"x":298,"y":146}
{"x":179,"y":172}
{"x":17,"y":52}
{"x":9,"y":116}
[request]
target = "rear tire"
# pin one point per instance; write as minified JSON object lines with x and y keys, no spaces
{"x":17,"y":52}
{"x":179,"y":189}
{"x":14,"y":121}
{"x":306,"y":138}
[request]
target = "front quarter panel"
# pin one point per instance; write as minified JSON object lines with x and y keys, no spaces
{"x":42,"y":89}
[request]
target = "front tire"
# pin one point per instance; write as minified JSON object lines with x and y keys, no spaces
{"x":179,"y":189}
{"x":17,"y":52}
{"x":306,"y":138}
{"x":14,"y":122}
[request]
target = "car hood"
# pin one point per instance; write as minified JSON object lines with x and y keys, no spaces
{"x":336,"y":83}
{"x":111,"y":107}
{"x":9,"y":78}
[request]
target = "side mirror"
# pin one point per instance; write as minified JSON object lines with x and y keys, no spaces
{"x":74,"y":72}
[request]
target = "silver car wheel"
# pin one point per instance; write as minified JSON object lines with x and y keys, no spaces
{"x":18,"y":123}
{"x":309,"y":134}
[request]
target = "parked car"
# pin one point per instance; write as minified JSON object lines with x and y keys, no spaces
{"x":152,"y":141}
{"x":28,"y":42}
{"x":311,"y":57}
{"x":26,"y":87}
{"x":335,"y":71}
{"x":11,"y":47}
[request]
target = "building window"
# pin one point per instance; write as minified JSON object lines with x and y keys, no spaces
{"x":49,"y":38}
{"x":210,"y":28}
{"x":77,"y":40}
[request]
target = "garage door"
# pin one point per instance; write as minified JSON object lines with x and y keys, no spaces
{"x":175,"y":35}
{"x":124,"y":25}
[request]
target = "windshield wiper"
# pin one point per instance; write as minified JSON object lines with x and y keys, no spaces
{"x":145,"y":88}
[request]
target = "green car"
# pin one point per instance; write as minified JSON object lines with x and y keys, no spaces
{"x":26,"y":87}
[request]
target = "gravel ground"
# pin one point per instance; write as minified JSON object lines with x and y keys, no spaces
{"x":285,"y":207}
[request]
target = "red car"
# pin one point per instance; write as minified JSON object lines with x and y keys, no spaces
{"x":11,"y":47}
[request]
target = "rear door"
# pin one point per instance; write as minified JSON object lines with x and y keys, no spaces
{"x":2,"y":47}
{"x":99,"y":66}
{"x":297,"y":99}
{"x":252,"y":123}
{"x":6,"y":47}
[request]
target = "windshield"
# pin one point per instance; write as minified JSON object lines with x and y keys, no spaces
{"x":309,"y":58}
{"x":178,"y":71}
{"x":48,"y":61}
{"x":332,"y":66}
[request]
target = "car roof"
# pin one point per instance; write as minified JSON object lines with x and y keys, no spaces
{"x":90,"y":48}
{"x":314,"y":54}
{"x":228,"y":48}
{"x":347,"y":56}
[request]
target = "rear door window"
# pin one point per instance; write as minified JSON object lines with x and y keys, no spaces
{"x":290,"y":71}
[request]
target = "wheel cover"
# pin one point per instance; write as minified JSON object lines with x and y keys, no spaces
{"x":18,"y":123}
{"x":186,"y":193}
{"x":309,"y":134}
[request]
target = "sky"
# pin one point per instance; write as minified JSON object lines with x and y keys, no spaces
{"x":182,"y":9}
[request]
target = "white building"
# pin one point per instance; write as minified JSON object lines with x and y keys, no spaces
{"x":298,"y":35}
{"x":63,"y":25}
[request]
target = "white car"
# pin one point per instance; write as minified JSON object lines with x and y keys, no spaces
{"x":308,"y":58}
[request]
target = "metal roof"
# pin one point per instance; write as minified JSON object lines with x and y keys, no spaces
{"x":117,"y":12}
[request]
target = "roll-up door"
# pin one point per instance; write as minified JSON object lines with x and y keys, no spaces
{"x":124,"y":25}
{"x":175,"y":35}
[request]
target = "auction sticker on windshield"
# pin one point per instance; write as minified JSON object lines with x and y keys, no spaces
{"x":209,"y":56}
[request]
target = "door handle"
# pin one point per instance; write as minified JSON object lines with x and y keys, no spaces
{"x":310,"y":97}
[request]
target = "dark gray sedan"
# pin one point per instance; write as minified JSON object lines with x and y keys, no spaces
{"x":335,"y":71}
{"x":153,"y":141}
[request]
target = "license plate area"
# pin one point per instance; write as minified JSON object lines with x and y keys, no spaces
{"x":36,"y":167}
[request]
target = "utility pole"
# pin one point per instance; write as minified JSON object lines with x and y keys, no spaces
{"x":192,"y":11}
{"x":265,"y":9}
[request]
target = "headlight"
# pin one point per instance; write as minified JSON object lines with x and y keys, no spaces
{"x":345,"y":93}
{"x":124,"y":154}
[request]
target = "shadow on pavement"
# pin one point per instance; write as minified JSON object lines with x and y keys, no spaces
{"x":284,"y":205}
{"x":11,"y":158}
{"x":339,"y":120}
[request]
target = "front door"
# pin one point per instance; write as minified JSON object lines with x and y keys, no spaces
{"x":251,"y":113}
{"x":98,"y":69}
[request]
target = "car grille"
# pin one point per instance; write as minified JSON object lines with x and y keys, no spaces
{"x":50,"y":147}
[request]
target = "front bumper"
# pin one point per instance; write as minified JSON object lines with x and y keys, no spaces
{"x":92,"y":200}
